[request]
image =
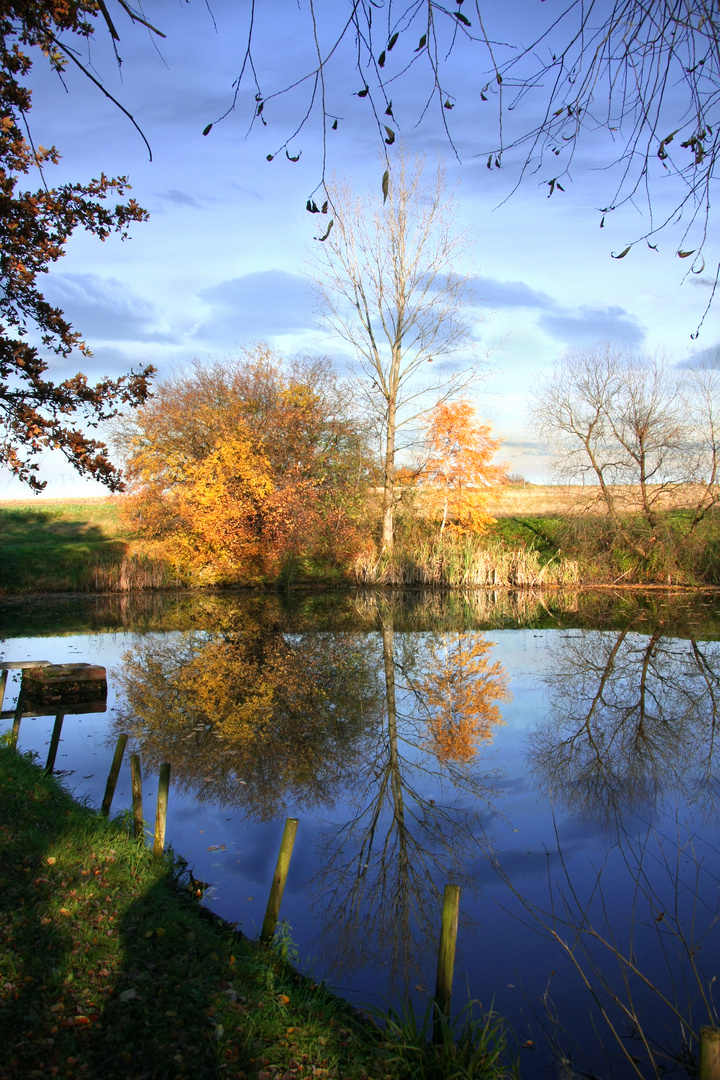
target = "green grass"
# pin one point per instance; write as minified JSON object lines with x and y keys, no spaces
{"x":53,"y":546}
{"x":107,"y":972}
{"x":472,"y":1047}
{"x":535,"y":533}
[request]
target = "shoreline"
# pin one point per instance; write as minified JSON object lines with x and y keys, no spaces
{"x":109,"y":971}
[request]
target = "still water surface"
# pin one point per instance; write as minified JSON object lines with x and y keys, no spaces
{"x":556,"y":757}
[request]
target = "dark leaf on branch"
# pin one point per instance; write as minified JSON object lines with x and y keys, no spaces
{"x":381,"y":59}
{"x":385,"y":185}
{"x":295,"y":158}
{"x":422,"y":43}
{"x":392,"y":42}
{"x":662,"y":152}
{"x":390,"y":136}
{"x":622,"y":253}
{"x":207,"y":130}
{"x":324,"y":237}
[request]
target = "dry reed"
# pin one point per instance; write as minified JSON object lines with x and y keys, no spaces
{"x":132,"y":574}
{"x":465,"y":563}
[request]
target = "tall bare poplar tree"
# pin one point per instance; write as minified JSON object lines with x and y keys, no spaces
{"x":388,"y":286}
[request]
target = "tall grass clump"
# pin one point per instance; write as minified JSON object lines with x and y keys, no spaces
{"x":466,"y":561}
{"x":132,"y":573}
{"x":473,"y":1046}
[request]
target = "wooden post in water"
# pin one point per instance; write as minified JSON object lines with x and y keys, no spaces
{"x":709,"y":1053}
{"x":278,"y":886}
{"x":446,"y":958}
{"x":54,"y":742}
{"x":3,"y":684}
{"x":161,"y":812}
{"x":113,"y":775}
{"x":17,"y":717}
{"x":136,"y":781}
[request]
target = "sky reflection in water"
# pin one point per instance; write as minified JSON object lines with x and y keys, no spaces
{"x":551,"y":772}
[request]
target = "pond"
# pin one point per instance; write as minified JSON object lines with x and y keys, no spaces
{"x":554,"y":755}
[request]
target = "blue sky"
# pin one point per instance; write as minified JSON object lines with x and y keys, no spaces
{"x":220,"y":263}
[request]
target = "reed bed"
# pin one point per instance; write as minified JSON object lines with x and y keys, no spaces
{"x":466,"y":563}
{"x":133,"y":573}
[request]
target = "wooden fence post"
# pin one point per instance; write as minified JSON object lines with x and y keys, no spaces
{"x":161,"y":812}
{"x":54,"y":742}
{"x":136,"y":781}
{"x":17,"y":717}
{"x":113,"y":774}
{"x":278,"y":886}
{"x":709,"y":1053}
{"x":446,"y":958}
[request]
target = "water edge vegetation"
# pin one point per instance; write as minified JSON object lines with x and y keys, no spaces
{"x":542,"y":537}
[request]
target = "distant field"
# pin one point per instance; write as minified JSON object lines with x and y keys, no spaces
{"x":550,"y":500}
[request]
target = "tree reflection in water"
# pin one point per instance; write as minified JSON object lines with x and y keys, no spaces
{"x":251,"y":717}
{"x":630,"y":720}
{"x":389,"y":726}
{"x":416,"y":803}
{"x":628,"y":742}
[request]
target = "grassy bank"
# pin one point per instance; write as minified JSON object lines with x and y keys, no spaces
{"x":68,"y":545}
{"x":107,"y":972}
{"x":53,"y":546}
{"x":554,"y":537}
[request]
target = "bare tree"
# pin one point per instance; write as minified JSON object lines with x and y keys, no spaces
{"x":388,"y":286}
{"x":700,"y":394}
{"x":618,"y":419}
{"x":647,"y":427}
{"x":570,"y":410}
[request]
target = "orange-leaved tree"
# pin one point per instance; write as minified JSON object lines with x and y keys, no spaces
{"x":459,"y":476}
{"x":242,"y":469}
{"x":459,"y":694}
{"x":222,"y":507}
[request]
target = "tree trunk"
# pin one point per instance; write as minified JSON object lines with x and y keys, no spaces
{"x":388,"y":507}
